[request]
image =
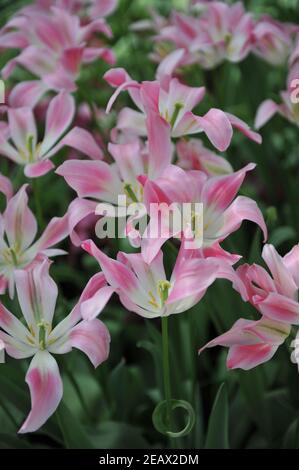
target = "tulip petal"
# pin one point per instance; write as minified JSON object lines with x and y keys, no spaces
{"x":219,"y":191}
{"x":34,"y":170}
{"x":159,"y":143}
{"x":20,"y":223}
{"x":60,"y":114}
{"x":244,"y":128}
{"x":265,"y":112}
{"x":46,"y":390}
{"x":94,"y":179}
{"x":27,"y":94}
{"x":280,"y":308}
{"x":83,"y":141}
{"x":37,"y":294}
{"x":243,"y":208}
{"x":283,"y":279}
{"x":93,"y":338}
{"x":250,"y":356}
{"x":22,"y":126}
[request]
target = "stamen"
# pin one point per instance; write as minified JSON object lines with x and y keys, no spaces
{"x":177,"y":108}
{"x":130,"y":193}
{"x":43,"y":330}
{"x":30,"y":147}
{"x":163,"y":289}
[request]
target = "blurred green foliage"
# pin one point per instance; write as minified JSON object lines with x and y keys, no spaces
{"x":111,"y":407}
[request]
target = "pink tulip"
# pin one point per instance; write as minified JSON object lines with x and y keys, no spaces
{"x":18,"y":231}
{"x":251,"y":343}
{"x":221,"y":32}
{"x":54,"y":45}
{"x":37,"y":294}
{"x":98,"y":181}
{"x":172,"y":102}
{"x":269,"y":108}
{"x":143,"y":287}
{"x":19,"y":139}
{"x":221,"y":215}
{"x":273,"y":40}
{"x":275,"y":297}
{"x":193,"y":155}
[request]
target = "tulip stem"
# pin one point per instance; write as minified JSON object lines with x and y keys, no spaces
{"x":38,"y":206}
{"x":166,"y":369}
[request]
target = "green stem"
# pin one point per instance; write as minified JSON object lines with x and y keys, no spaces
{"x":37,"y":202}
{"x":166,"y":369}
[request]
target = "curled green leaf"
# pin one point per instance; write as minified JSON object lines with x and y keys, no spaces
{"x":162,"y":422}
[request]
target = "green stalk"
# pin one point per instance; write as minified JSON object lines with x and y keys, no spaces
{"x":37,"y":202}
{"x":166,"y":370}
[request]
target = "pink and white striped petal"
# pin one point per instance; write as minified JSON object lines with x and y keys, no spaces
{"x":46,"y":390}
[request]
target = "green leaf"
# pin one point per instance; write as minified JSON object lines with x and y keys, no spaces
{"x":117,"y":435}
{"x":11,"y":442}
{"x":291,"y":439}
{"x":74,"y":434}
{"x":217,"y":436}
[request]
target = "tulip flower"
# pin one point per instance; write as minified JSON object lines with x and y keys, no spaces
{"x":18,"y":250}
{"x":251,"y":343}
{"x":98,"y":181}
{"x":221,"y":32}
{"x":193,"y":155}
{"x":54,"y":46}
{"x":221,"y":214}
{"x":143,"y":287}
{"x":19,"y":138}
{"x":276,"y":298}
{"x":37,"y":294}
{"x":172,"y":103}
{"x":273,"y":40}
